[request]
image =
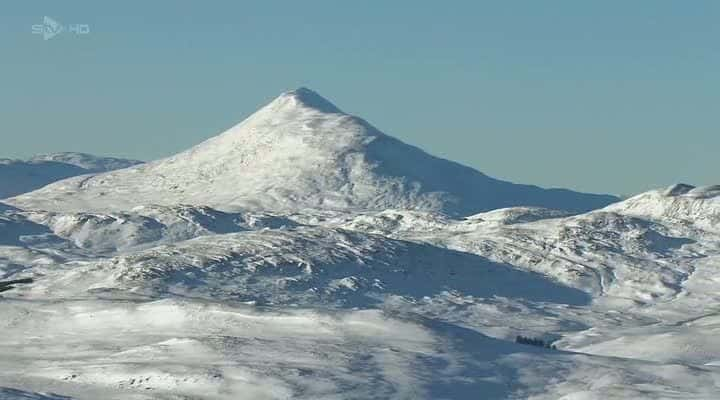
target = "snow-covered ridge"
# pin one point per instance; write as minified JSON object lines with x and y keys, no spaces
{"x":21,"y":176}
{"x":86,"y":161}
{"x":300,"y":152}
{"x":697,"y":206}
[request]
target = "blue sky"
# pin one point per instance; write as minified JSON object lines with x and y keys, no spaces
{"x":603,"y":96}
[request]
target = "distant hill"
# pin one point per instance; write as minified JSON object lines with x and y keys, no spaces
{"x":21,"y":176}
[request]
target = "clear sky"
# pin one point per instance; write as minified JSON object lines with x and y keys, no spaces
{"x":602,"y":96}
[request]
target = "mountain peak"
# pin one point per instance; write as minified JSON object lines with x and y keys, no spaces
{"x":307,"y":98}
{"x":300,"y":152}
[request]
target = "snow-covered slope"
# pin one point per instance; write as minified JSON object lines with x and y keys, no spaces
{"x":694,"y":206}
{"x":311,"y":266}
{"x":300,"y":152}
{"x":651,"y":264}
{"x":144,"y":227}
{"x":643,"y":248}
{"x":188,"y":301}
{"x":21,"y":176}
{"x":182,"y":349}
{"x":88,"y":162}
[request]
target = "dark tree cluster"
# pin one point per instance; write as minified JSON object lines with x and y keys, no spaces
{"x":534,"y":342}
{"x":7,"y":285}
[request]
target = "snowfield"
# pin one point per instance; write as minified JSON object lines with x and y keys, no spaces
{"x":303,"y":254}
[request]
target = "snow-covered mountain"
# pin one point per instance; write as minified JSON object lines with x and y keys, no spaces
{"x":305,"y":255}
{"x":21,"y":176}
{"x":299,"y":152}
